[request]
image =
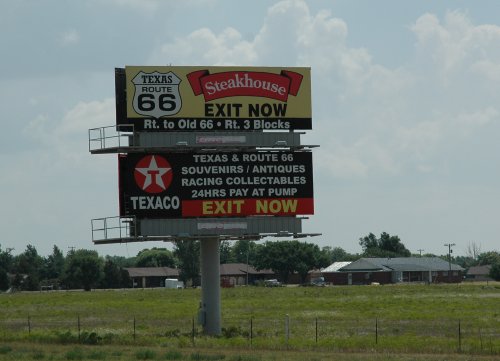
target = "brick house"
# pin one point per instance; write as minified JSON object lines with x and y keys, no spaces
{"x":394,"y":270}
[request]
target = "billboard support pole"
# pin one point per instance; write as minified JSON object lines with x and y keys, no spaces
{"x":210,"y":286}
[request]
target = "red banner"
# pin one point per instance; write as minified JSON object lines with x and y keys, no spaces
{"x":247,"y":207}
{"x":245,"y":83}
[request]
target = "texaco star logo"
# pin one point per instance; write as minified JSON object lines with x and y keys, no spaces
{"x":153,"y":174}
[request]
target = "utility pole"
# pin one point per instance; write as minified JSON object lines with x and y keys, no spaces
{"x":449,"y":245}
{"x":420,"y":251}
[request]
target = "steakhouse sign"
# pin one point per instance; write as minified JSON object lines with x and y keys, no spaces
{"x":216,"y":185}
{"x":214,"y":98}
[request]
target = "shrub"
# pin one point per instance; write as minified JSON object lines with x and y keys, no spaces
{"x":173,"y":333}
{"x":173,"y":355}
{"x":245,"y":358}
{"x":38,"y":355}
{"x":201,"y":357}
{"x":75,"y":354}
{"x":66,"y":337}
{"x":97,"y":355}
{"x":4,"y":349}
{"x":91,"y":338}
{"x":233,"y":331}
{"x":145,"y":354}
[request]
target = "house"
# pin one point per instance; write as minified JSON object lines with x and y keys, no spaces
{"x":232,"y":274}
{"x":146,"y":277}
{"x":479,"y":273}
{"x":237,"y":274}
{"x":329,"y":273}
{"x":393,"y":270}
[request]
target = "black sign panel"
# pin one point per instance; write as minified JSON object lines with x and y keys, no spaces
{"x":216,"y":184}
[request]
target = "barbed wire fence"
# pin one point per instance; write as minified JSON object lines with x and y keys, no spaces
{"x":286,"y":332}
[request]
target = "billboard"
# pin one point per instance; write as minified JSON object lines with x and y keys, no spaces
{"x":172,"y":185}
{"x":183,"y":98}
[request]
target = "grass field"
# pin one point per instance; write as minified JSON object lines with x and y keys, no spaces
{"x":396,"y":322}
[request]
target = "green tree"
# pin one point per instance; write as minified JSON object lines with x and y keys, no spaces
{"x":155,"y":257}
{"x":495,"y":271}
{"x":6,"y":261}
{"x":28,"y":265}
{"x":225,"y":251}
{"x":114,"y":276}
{"x":308,"y":256}
{"x":393,"y":244}
{"x":54,"y":264}
{"x":488,"y":258}
{"x":385,"y":246}
{"x":287,"y":257}
{"x":464,"y":261}
{"x":4,"y":280}
{"x":369,"y":242}
{"x":188,"y":257}
{"x":123,"y":262}
{"x":83,"y":269}
{"x":338,"y":254}
{"x":244,"y":251}
{"x":276,"y":256}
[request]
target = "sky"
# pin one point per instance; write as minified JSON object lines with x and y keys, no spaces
{"x":405,"y":109}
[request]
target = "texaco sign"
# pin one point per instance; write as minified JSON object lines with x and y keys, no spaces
{"x":216,"y":185}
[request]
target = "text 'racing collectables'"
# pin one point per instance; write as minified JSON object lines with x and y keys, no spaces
{"x":169,"y":98}
{"x":216,"y":185}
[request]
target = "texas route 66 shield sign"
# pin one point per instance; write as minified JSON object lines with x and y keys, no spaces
{"x":156,"y":94}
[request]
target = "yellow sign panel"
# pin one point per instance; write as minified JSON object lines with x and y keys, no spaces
{"x":163,"y":98}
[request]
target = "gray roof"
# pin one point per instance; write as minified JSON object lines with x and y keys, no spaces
{"x":152,"y":272}
{"x":364,"y":264}
{"x":479,"y":270}
{"x":240,"y":269}
{"x":401,"y":264}
{"x":230,"y":269}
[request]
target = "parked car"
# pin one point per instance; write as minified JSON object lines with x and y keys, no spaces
{"x":320,"y":281}
{"x":272,"y":283}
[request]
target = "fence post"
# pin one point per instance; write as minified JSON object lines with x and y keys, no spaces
{"x":316,"y":330}
{"x":459,"y":337}
{"x":78,"y":327}
{"x":251,"y":331}
{"x":29,"y":324}
{"x":287,"y":329}
{"x":192,"y":332}
{"x":376,"y":331}
{"x":134,"y":328}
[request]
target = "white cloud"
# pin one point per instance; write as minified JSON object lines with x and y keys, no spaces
{"x":154,"y":5}
{"x":70,"y":37}
{"x":60,"y":186}
{"x":86,"y":115}
{"x":342,"y":162}
{"x":456,"y":45}
{"x":477,"y":119}
{"x":487,"y":69}
{"x":374,"y":120}
{"x":204,"y":47}
{"x":141,"y":5}
{"x":423,"y":132}
{"x":66,"y":139}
